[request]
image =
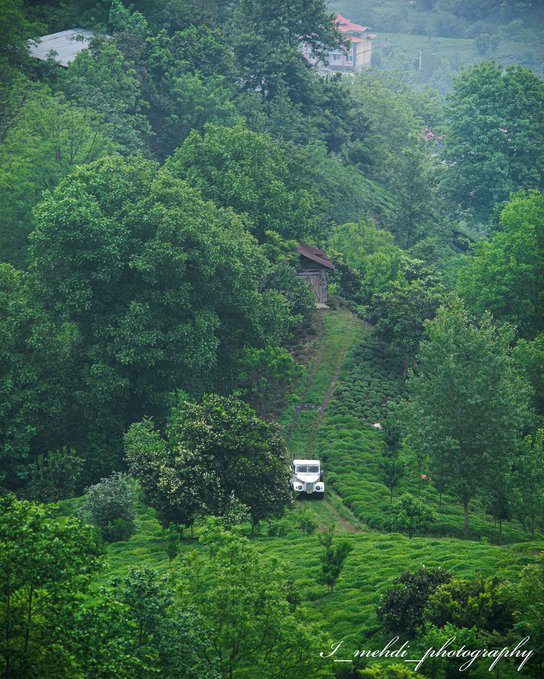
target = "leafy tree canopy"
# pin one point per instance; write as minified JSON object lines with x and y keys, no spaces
{"x":249,"y":173}
{"x":467,"y":437}
{"x":210,"y":450}
{"x":45,"y":566}
{"x":495,"y":141}
{"x":243,"y":601}
{"x":163,"y":289}
{"x":47,"y":137}
{"x":506,"y":274}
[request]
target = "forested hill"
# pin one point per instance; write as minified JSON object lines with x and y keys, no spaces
{"x":166,"y":194}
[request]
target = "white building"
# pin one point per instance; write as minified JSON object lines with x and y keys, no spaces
{"x":352,"y":59}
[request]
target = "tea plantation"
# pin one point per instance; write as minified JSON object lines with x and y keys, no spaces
{"x":346,"y":388}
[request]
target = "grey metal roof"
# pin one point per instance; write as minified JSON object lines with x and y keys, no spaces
{"x":67,"y":45}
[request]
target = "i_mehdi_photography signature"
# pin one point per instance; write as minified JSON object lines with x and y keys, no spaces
{"x":520,"y":651}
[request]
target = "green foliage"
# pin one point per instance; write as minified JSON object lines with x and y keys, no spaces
{"x":373,"y":383}
{"x":435,"y":637}
{"x":528,"y":482}
{"x":265,"y":376}
{"x":242,"y":600}
{"x":197,"y":101}
{"x":15,"y":30}
{"x":389,"y":146}
{"x":411,"y":515}
{"x":46,"y":138}
{"x":109,"y":505}
{"x":481,"y":603}
{"x":34,"y":353}
{"x":134,"y":627}
{"x":211,"y":451}
{"x":466,"y":437}
{"x":101,"y":79}
{"x":172,"y":538}
{"x":157,"y":284}
{"x":388,"y":672}
{"x":267,"y":39}
{"x":505,"y":275}
{"x":333,"y":557}
{"x":55,"y":475}
{"x":496,"y":136}
{"x":529,"y":357}
{"x":401,"y":608}
{"x":399,"y":314}
{"x":307,"y":521}
{"x":392,"y":470}
{"x":251,"y":174}
{"x":45,"y":566}
{"x":529,"y":609}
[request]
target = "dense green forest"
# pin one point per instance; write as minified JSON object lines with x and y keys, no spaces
{"x":162,"y":362}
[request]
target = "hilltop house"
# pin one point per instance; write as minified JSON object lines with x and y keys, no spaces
{"x":314,"y":269}
{"x":351,"y":59}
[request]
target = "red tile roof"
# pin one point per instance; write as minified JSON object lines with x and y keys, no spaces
{"x":346,"y":25}
{"x":314,"y":255}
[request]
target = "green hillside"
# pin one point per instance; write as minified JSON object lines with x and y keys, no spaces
{"x":318,"y":426}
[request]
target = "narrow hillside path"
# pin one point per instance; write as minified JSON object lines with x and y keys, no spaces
{"x":326,"y":399}
{"x":341,"y":331}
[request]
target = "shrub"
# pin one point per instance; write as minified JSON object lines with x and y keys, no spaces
{"x":411,"y":515}
{"x":109,"y":505}
{"x":401,"y":609}
{"x":332,"y":558}
{"x":307,"y":522}
{"x":483,"y":603}
{"x":54,"y":476}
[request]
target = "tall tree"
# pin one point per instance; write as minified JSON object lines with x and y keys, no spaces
{"x":267,"y":36}
{"x":528,"y":482}
{"x":45,"y":566}
{"x":243,"y":601}
{"x":47,"y":137}
{"x":467,"y":404}
{"x":506,"y":273}
{"x":495,"y":140}
{"x":163,"y":290}
{"x":210,"y":451}
{"x":399,"y":314}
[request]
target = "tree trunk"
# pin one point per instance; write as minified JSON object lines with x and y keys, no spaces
{"x":465,"y":509}
{"x":405,"y":366}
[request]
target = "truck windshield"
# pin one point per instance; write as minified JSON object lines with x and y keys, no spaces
{"x":308,"y":469}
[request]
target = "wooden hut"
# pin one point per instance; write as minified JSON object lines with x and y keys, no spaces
{"x":314,"y":268}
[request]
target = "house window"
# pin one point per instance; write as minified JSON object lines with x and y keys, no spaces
{"x":349,"y":58}
{"x":335,"y":56}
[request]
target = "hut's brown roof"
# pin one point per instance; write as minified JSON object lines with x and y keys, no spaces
{"x":314,"y":255}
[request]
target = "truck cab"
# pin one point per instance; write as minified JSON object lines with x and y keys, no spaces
{"x":307,"y":478}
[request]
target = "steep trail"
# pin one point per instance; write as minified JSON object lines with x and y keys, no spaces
{"x":341,"y":331}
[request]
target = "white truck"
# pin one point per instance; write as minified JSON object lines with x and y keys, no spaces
{"x":307,"y":478}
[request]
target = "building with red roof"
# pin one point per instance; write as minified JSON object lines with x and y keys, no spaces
{"x":355,"y":57}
